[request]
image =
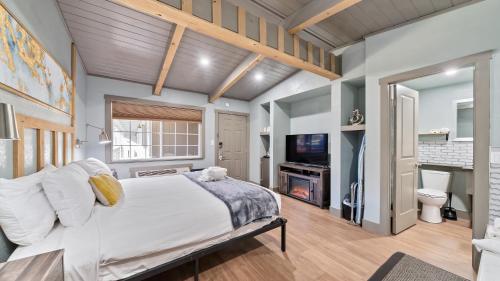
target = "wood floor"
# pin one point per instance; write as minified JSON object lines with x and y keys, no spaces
{"x":323,"y":247}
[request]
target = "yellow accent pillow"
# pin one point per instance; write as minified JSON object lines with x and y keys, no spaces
{"x":107,"y":189}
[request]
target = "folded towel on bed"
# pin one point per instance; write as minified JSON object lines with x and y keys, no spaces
{"x":213,"y":174}
{"x":490,"y":245}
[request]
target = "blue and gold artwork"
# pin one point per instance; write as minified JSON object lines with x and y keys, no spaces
{"x":26,"y":68}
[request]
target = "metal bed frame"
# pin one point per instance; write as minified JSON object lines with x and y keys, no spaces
{"x":197,"y":255}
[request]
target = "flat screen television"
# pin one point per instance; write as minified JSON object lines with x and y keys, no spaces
{"x":307,"y":149}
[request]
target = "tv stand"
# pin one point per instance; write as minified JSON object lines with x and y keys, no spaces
{"x":309,"y":165}
{"x":308,"y":183}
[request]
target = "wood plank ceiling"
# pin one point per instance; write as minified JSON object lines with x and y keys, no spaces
{"x":118,"y":42}
{"x":363,"y":19}
{"x":373,"y":16}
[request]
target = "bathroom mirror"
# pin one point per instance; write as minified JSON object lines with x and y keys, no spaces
{"x":465,"y":120}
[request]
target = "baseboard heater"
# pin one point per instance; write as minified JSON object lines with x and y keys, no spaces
{"x":163,"y":170}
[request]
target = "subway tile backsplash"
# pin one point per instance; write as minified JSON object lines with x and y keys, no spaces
{"x":494,"y":191}
{"x":450,"y":153}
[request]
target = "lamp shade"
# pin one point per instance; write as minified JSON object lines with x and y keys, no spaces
{"x":8,"y":124}
{"x":103,"y":138}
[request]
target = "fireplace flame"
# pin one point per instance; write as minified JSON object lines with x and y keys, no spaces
{"x":299,"y":192}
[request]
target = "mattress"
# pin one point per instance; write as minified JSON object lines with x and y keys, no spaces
{"x":159,"y":220}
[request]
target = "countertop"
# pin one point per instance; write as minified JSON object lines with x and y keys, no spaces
{"x":449,"y":166}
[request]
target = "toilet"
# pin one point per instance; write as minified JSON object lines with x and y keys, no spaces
{"x":433,"y":194}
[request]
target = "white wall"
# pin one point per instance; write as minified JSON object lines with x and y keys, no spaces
{"x":44,"y":20}
{"x":97,"y":87}
{"x":452,"y":35}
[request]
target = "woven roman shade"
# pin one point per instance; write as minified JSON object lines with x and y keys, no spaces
{"x":139,"y":111}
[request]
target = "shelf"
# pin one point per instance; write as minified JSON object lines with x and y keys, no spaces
{"x":352,"y":128}
{"x":264,"y":134}
{"x":433,"y":134}
{"x":446,"y":135}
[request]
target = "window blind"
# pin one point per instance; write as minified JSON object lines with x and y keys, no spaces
{"x":143,"y":111}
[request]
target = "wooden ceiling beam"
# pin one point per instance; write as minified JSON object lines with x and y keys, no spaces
{"x":169,"y":58}
{"x":315,"y":12}
{"x":171,"y":14}
{"x":239,"y":72}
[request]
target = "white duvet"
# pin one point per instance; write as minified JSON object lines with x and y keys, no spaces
{"x":157,"y":214}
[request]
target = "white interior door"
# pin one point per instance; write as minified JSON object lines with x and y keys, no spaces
{"x":232,"y":144}
{"x":405,"y":171}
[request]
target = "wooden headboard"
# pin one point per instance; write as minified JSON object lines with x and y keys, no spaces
{"x":61,"y":136}
{"x":62,"y":143}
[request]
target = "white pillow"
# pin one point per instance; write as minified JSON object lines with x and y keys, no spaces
{"x":26,"y":215}
{"x":491,"y":245}
{"x":94,"y":167}
{"x":70,"y":194}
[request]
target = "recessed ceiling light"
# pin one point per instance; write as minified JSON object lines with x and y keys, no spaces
{"x":259,"y":76}
{"x":451,"y":72}
{"x":204,"y":61}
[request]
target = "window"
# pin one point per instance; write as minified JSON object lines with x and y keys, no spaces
{"x":144,"y":131}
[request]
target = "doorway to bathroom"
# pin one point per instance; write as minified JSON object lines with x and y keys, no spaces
{"x":394,"y":220}
{"x":433,"y":159}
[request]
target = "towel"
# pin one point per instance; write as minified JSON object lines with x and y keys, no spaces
{"x":213,"y":174}
{"x":490,"y":245}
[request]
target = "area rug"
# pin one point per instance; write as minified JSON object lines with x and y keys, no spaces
{"x":402,"y":267}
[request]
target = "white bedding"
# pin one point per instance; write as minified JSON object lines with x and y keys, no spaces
{"x":161,"y":218}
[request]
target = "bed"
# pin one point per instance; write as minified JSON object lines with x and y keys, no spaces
{"x":162,"y":222}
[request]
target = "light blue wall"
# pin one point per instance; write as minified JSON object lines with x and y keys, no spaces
{"x":437,"y":108}
{"x":298,"y":83}
{"x":311,"y":116}
{"x":458,"y":33}
{"x":99,"y":87}
{"x":451,"y":35}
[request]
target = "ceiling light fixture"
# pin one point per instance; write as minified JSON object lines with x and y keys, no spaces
{"x":451,"y":72}
{"x":204,"y":61}
{"x":259,"y":76}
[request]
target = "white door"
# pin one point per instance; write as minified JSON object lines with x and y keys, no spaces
{"x":232,"y":144}
{"x":405,"y":171}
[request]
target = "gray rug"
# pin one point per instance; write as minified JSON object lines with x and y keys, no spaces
{"x":402,"y":267}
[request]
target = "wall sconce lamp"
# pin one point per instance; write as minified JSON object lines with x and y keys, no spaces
{"x":8,"y":123}
{"x":103,"y":137}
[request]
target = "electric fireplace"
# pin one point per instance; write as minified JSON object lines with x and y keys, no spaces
{"x":301,"y":188}
{"x":306,"y":183}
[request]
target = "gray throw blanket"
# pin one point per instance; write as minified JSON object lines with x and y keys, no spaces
{"x":246,"y":202}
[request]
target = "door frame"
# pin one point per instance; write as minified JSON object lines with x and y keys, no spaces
{"x":216,"y":144}
{"x":481,"y":63}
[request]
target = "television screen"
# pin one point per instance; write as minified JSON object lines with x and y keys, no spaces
{"x":307,"y":149}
